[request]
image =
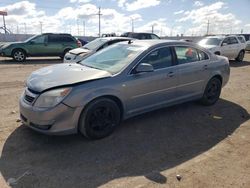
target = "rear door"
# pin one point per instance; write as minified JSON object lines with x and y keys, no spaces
{"x":150,"y":90}
{"x":235,"y":46}
{"x":193,"y":71}
{"x":55,"y":44}
{"x":226,"y":48}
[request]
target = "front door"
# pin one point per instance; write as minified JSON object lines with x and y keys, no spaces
{"x":151,"y":90}
{"x":38,"y":46}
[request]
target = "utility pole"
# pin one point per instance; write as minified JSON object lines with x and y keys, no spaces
{"x":41,"y":27}
{"x":17,"y":29}
{"x":4,"y":13}
{"x":132,"y":24}
{"x":99,"y":14}
{"x":25,"y":28}
{"x":78,"y":30}
{"x":83,"y":24}
{"x":153,"y":28}
{"x":208,"y":24}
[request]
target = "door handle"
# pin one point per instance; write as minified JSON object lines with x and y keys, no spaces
{"x":170,"y":74}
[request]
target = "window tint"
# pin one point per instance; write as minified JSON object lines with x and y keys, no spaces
{"x":68,"y":39}
{"x":159,"y":59}
{"x":60,"y":38}
{"x":39,"y":39}
{"x":54,"y":38}
{"x":186,"y":54}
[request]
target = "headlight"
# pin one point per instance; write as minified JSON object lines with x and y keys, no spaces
{"x":52,"y":98}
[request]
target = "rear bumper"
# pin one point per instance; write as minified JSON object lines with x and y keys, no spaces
{"x":60,"y":120}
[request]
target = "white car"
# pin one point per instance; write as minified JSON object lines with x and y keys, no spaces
{"x":248,"y":46}
{"x":78,"y":54}
{"x":233,"y":47}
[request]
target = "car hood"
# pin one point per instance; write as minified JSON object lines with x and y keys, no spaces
{"x":62,"y":74}
{"x":78,"y":51}
{"x":8,"y":44}
{"x":208,"y":46}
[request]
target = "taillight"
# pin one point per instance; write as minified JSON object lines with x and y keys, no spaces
{"x":79,"y":44}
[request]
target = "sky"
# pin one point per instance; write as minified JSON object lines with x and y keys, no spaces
{"x":168,"y":17}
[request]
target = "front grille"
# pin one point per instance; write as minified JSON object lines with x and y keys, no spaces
{"x":29,"y":98}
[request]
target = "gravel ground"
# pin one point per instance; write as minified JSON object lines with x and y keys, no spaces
{"x":205,"y":146}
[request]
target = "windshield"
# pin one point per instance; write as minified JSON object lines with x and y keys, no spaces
{"x":210,"y":41}
{"x":95,"y":44}
{"x":114,"y":58}
{"x":27,"y":40}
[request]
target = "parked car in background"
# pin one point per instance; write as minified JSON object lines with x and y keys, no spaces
{"x":232,"y":46}
{"x":47,"y":44}
{"x":118,"y":82}
{"x":82,"y":41}
{"x":186,"y":40}
{"x":78,"y":54}
{"x":140,"y":36}
{"x":248,"y":45}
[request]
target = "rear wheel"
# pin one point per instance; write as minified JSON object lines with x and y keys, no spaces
{"x":64,"y":52}
{"x":19,"y":55}
{"x":100,"y":118}
{"x":212,"y":92}
{"x":240,"y":56}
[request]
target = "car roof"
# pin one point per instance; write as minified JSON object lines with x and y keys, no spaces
{"x":223,"y":36}
{"x":154,"y":42}
{"x":115,"y":38}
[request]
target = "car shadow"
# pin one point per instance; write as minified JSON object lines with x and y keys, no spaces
{"x":234,"y":63}
{"x":32,"y":61}
{"x":141,"y":146}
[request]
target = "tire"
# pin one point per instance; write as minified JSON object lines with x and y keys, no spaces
{"x":64,"y":52}
{"x":212,"y":92}
{"x":100,"y":118}
{"x":240,"y":56}
{"x":19,"y":55}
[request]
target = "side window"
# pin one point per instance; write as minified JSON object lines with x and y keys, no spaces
{"x":154,"y":36}
{"x":226,"y":40}
{"x":186,"y":54}
{"x":202,"y":55}
{"x":68,"y":39}
{"x":39,"y":40}
{"x":53,"y":38}
{"x":233,"y":40}
{"x":241,"y":39}
{"x":160,"y":58}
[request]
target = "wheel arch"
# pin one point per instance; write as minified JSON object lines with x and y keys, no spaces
{"x":18,"y":48}
{"x":113,"y":98}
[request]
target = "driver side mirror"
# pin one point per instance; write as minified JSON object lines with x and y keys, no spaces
{"x":224,"y":44}
{"x":144,"y":67}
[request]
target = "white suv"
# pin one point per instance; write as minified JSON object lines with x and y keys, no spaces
{"x":233,"y":47}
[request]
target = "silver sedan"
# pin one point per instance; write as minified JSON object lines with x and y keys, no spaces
{"x":118,"y":82}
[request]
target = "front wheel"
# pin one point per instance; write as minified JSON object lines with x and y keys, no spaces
{"x":19,"y":55}
{"x":240,"y":56}
{"x":212,"y":92}
{"x":100,"y":118}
